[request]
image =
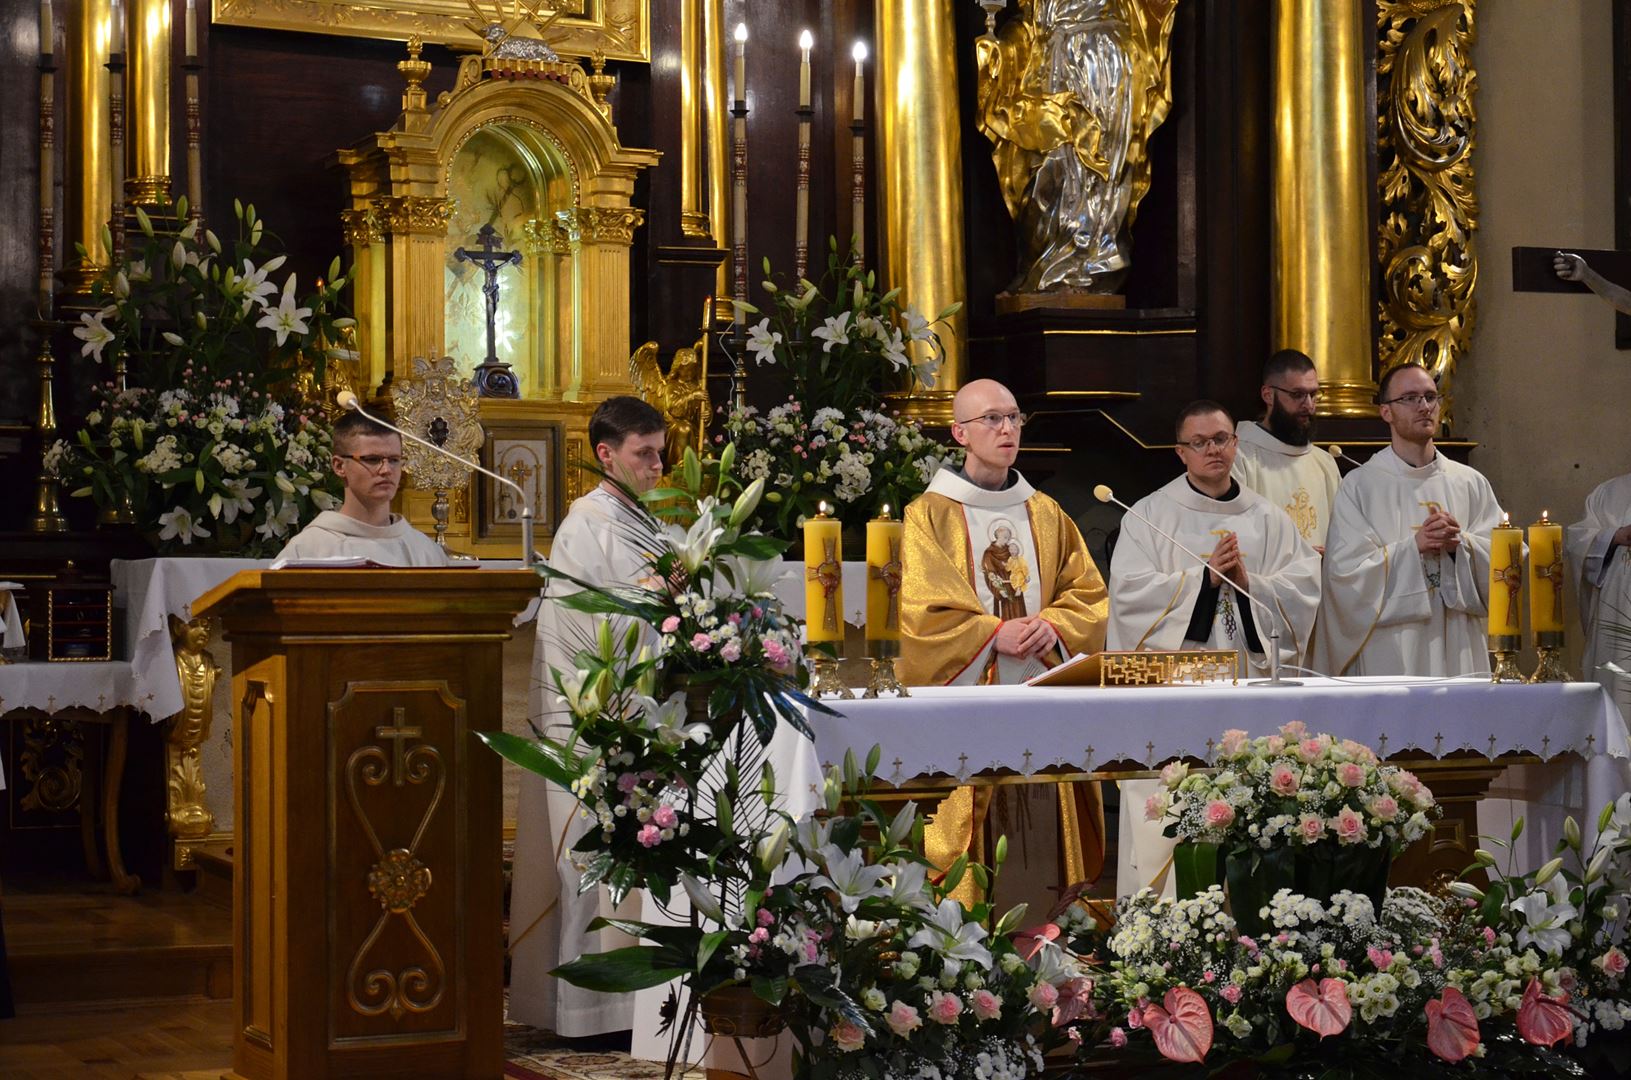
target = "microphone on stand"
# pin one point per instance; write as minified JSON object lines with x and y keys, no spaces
{"x":529,"y":558}
{"x":1336,"y":451}
{"x":1103,"y":493}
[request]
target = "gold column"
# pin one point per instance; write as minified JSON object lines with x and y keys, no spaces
{"x":716,"y":125}
{"x":599,"y":238}
{"x":919,"y":162}
{"x":1321,"y":239}
{"x":693,"y":212}
{"x":147,"y":102}
{"x":90,"y":175}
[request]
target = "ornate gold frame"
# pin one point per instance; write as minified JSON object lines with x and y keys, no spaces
{"x":620,"y":29}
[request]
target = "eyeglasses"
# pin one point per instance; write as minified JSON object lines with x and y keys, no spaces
{"x":1216,"y":442}
{"x":1300,"y":396}
{"x":374,"y":462}
{"x":1429,"y":399}
{"x":995,"y":420}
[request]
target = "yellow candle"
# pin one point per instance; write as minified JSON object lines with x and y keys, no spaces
{"x":859,"y":53}
{"x":1545,"y":576}
{"x":884,"y":536}
{"x":823,"y":578}
{"x":741,"y":66}
{"x":1505,"y":578}
{"x":806,"y":41}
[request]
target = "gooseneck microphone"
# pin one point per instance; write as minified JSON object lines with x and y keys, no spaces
{"x":345,"y":399}
{"x":1103,"y":493}
{"x":1336,"y":451}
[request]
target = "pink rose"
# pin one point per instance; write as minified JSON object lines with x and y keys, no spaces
{"x":1312,"y":828}
{"x":701,"y":642}
{"x":1043,"y":996}
{"x":1385,"y":807}
{"x":847,"y":1035}
{"x":731,"y":651}
{"x":1382,"y":958}
{"x":759,"y":936}
{"x":1294,"y":731}
{"x":903,"y":1019}
{"x":1311,"y":749}
{"x":1209,"y":976}
{"x":1285,"y":780}
{"x":1233,"y":742}
{"x":1489,"y":935}
{"x":627,"y":782}
{"x":1118,"y":1038}
{"x":1135,"y":1018}
{"x":1348,"y":826}
{"x":765,"y":918}
{"x":671,"y":624}
{"x":945,"y":1008}
{"x":986,"y":1005}
{"x":664,"y":817}
{"x":1613,"y":962}
{"x":1219,"y":814}
{"x":1351,"y":774}
{"x":1359,"y":751}
{"x":1173,"y":773}
{"x":1155,"y":807}
{"x":650,"y":835}
{"x":1231,"y":994}
{"x":1275,"y":744}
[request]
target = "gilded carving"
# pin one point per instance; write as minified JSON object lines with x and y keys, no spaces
{"x":576,"y":482}
{"x":1429,"y":214}
{"x":412,"y":214}
{"x":51,"y":763}
{"x":1190,"y":667}
{"x":188,"y":814}
{"x":601,"y":224}
{"x":398,"y":879}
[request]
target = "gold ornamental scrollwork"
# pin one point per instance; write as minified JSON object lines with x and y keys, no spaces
{"x":602,"y":224}
{"x":51,"y":762}
{"x":1429,"y":214}
{"x":1187,"y":667}
{"x":187,"y":813}
{"x":360,"y":227}
{"x":406,"y":215}
{"x":398,"y":880}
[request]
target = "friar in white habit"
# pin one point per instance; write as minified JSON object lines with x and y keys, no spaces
{"x":600,"y":542}
{"x":1406,"y":588}
{"x":368,"y":459}
{"x":1161,"y":598}
{"x":1277,"y":457}
{"x":1599,"y":553}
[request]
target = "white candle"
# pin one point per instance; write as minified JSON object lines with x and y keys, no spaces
{"x":48,"y":29}
{"x":116,"y":45}
{"x":859,"y":52}
{"x":806,"y":40}
{"x":741,"y":61}
{"x":192,"y":29}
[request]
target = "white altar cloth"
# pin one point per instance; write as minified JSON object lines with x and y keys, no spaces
{"x":99,"y":685}
{"x":11,"y":623}
{"x":789,"y":589}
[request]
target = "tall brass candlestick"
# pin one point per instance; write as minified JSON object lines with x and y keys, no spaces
{"x":47,"y":517}
{"x":857,"y":182}
{"x":739,"y":215}
{"x":801,"y":230}
{"x":116,"y":131}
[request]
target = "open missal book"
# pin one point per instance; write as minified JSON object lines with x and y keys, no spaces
{"x":1079,"y":670}
{"x":360,"y":562}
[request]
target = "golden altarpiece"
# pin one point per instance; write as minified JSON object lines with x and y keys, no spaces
{"x":528,"y":147}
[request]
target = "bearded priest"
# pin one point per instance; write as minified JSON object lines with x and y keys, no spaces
{"x":1406,"y":588}
{"x":998,"y":587}
{"x":1276,"y":456}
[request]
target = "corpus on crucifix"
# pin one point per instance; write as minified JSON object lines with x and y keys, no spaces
{"x":494,"y":377}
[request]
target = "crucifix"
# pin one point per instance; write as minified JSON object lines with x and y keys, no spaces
{"x":494,"y":377}
{"x":1578,"y":270}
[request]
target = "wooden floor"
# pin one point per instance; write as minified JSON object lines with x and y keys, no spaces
{"x":168,"y":1040}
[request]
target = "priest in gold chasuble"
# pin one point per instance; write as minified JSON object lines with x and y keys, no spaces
{"x":998,"y":587}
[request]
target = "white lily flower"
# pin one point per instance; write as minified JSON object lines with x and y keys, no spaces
{"x":762,"y":342}
{"x":239,"y":500}
{"x":957,"y":941}
{"x":578,"y":691}
{"x":667,"y":720}
{"x":121,"y":285}
{"x":93,"y":333}
{"x":174,"y":338}
{"x":833,"y":330}
{"x":281,"y":521}
{"x":901,"y":827}
{"x":813,"y":835}
{"x":849,"y":877}
{"x":907,"y":884}
{"x":693,"y":546}
{"x":894,"y":351}
{"x":1546,"y":914}
{"x":178,"y":524}
{"x":917,"y":327}
{"x":771,"y":850}
{"x":286,"y":318}
{"x":754,"y":577}
{"x":809,"y":293}
{"x":701,"y":900}
{"x":927,"y":372}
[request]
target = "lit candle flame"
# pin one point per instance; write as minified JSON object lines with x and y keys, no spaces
{"x":859,"y":51}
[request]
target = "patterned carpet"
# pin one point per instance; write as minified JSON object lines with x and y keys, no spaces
{"x":532,"y":1054}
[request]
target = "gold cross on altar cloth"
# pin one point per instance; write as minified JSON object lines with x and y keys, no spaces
{"x":399,"y":734}
{"x":890,"y":573}
{"x":829,"y":574}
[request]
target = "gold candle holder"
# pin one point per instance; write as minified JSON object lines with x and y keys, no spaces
{"x":824,"y":677}
{"x":883,"y":679}
{"x":1503,"y":658}
{"x":1549,"y":646}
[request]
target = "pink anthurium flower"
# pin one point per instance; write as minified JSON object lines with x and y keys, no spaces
{"x":1183,"y":1027}
{"x":1542,"y":1020}
{"x":1321,"y":1007}
{"x":1452,"y":1027}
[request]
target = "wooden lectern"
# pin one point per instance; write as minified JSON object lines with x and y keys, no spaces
{"x":367,"y":937}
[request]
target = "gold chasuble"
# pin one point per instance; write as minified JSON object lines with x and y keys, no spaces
{"x":975,"y":558}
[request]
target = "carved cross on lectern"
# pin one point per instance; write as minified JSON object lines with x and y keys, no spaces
{"x":399,"y":733}
{"x":494,"y":377}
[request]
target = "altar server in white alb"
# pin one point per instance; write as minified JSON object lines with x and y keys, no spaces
{"x":368,"y":459}
{"x":1161,"y":598}
{"x":1276,"y":456}
{"x":600,"y":542}
{"x":1599,"y":553}
{"x":1407,"y":557}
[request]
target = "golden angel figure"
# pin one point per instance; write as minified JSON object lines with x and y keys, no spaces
{"x":681,"y":395}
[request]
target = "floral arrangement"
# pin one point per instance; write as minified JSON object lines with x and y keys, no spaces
{"x":212,"y":348}
{"x":208,"y":463}
{"x":841,"y":345}
{"x":861,"y":462}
